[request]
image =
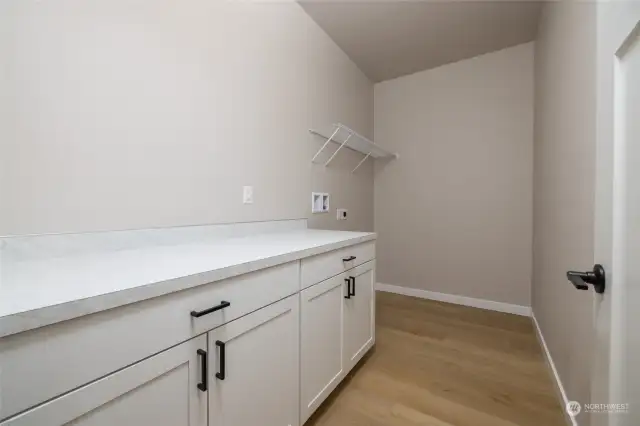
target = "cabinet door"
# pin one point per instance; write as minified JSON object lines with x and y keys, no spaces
{"x":254,"y":377}
{"x":321,"y":357}
{"x":159,"y":391}
{"x":359,"y":314}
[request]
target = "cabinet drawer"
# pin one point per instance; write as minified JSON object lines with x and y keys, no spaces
{"x":319,"y":268}
{"x":46,"y":362}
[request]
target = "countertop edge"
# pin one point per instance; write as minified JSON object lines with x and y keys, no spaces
{"x":48,"y":315}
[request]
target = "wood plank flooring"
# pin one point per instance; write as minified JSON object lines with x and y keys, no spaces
{"x":438,"y":364}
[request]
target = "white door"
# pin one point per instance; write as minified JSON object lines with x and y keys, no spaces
{"x":321,"y":357}
{"x":359,"y":314}
{"x":254,"y":374}
{"x":159,"y":391}
{"x":616,"y":375}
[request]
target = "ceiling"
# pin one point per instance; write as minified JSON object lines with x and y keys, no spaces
{"x":388,"y":39}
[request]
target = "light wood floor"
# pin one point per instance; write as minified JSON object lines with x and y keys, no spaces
{"x":438,"y":364}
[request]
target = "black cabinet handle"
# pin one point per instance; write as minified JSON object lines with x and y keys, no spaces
{"x":353,"y":285}
{"x":221,"y":374}
{"x":347,"y":259}
{"x":595,"y":278}
{"x":203,"y":381}
{"x":348,"y":281}
{"x":222,"y":305}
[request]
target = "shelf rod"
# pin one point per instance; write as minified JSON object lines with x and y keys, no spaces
{"x":325,"y":144}
{"x":361,"y":161}
{"x":339,"y":148}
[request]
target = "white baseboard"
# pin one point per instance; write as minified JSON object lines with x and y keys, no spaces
{"x":559,"y":387}
{"x":458,"y":300}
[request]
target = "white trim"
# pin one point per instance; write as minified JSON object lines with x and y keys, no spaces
{"x":547,"y":356}
{"x":458,"y":300}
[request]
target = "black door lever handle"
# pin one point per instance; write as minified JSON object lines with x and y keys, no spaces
{"x":577,"y":279}
{"x":596,"y":278}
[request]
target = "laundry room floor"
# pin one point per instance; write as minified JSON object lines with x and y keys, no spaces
{"x":439,"y":364}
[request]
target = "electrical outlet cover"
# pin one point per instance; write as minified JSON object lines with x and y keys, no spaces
{"x":319,"y":202}
{"x":247,"y":194}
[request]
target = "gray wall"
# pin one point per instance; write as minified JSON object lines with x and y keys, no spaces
{"x":454,"y":213}
{"x":564,"y":152}
{"x":119,"y":114}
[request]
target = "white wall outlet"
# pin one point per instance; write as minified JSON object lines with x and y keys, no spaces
{"x":319,"y":202}
{"x":247,"y":194}
{"x":341,"y":214}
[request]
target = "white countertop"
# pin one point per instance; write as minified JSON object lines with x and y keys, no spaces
{"x":39,"y":292}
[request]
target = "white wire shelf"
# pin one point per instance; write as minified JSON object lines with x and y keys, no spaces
{"x":346,"y":137}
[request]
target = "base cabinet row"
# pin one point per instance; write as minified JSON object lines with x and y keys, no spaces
{"x":273,"y":367}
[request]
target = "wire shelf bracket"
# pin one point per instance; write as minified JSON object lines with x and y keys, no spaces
{"x":344,"y":136}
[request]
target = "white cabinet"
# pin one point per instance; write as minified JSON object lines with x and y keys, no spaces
{"x":254,"y":349}
{"x":159,"y":391}
{"x":70,"y":354}
{"x":321,"y":354}
{"x":337,"y":329}
{"x":254,"y":368}
{"x":359,"y":314}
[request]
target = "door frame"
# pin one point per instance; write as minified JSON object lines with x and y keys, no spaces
{"x":616,"y":23}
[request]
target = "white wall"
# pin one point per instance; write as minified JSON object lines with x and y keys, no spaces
{"x":454,"y":213}
{"x":119,"y":114}
{"x":565,"y":143}
{"x":615,"y":370}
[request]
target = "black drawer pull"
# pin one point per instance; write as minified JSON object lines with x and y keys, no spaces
{"x":353,"y":285}
{"x":221,"y":374}
{"x":348,"y":281}
{"x":222,"y":305}
{"x":203,"y":381}
{"x":348,"y":259}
